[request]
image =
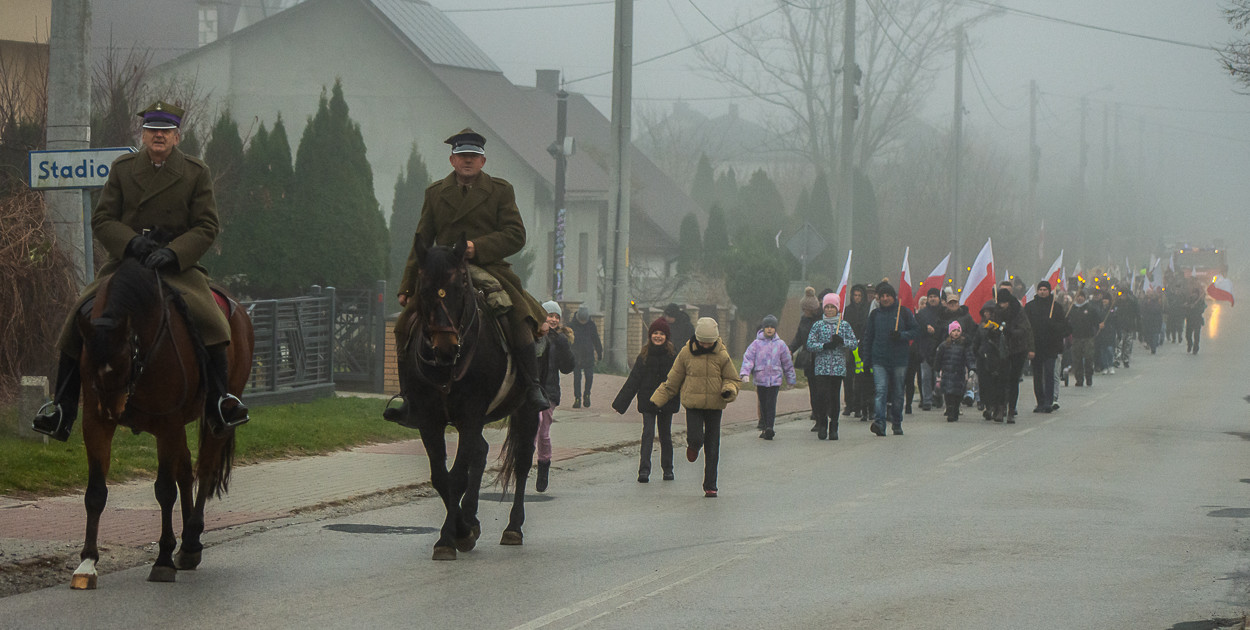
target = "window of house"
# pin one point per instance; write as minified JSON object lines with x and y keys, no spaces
{"x":208,"y":25}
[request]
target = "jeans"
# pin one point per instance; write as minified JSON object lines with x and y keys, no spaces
{"x":543,"y":440}
{"x":649,"y":422}
{"x":703,"y":431}
{"x":580,"y":368}
{"x":926,"y":383}
{"x":767,"y":407}
{"x":1054,"y":388}
{"x":1044,"y":380}
{"x":888,"y":384}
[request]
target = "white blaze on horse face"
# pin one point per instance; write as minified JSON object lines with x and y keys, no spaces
{"x":84,"y":576}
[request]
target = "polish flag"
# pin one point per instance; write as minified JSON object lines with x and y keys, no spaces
{"x":979,"y":288}
{"x":1028,"y":295}
{"x":1006,"y":275}
{"x":846,"y":276}
{"x":936,"y":278}
{"x":1221,"y":290}
{"x":1053,"y":274}
{"x":906,"y":296}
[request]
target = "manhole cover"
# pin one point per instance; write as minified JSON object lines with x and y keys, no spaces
{"x":1231,"y":513}
{"x":529,"y":497}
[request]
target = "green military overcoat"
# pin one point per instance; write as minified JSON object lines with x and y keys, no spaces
{"x":177,"y":197}
{"x":486,"y":213}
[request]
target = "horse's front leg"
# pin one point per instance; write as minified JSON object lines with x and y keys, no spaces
{"x":435,"y":442}
{"x":98,"y":438}
{"x":525,"y":425}
{"x":474,"y":452}
{"x":188,"y":555}
{"x":166,"y":486}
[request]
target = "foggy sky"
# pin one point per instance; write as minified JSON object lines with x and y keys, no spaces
{"x":1182,"y":126}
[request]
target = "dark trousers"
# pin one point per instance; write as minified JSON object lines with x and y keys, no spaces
{"x":952,"y":405}
{"x":703,"y":431}
{"x":992,"y":386}
{"x":865,"y":393}
{"x":588,"y":369}
{"x":826,"y":407}
{"x":766,"y":398}
{"x":811,"y":391}
{"x":1015,"y":367}
{"x":1044,"y":380}
{"x":649,"y":423}
{"x":1193,"y":334}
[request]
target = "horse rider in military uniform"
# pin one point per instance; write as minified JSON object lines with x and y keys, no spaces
{"x":484,"y":210}
{"x":158,"y":192}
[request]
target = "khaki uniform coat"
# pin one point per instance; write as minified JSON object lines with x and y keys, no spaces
{"x":700,"y":378}
{"x":177,"y":197}
{"x":486,"y":214}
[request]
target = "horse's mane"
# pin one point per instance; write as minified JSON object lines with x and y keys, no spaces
{"x":132,"y":289}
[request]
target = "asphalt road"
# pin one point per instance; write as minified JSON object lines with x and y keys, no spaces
{"x":1126,"y":509}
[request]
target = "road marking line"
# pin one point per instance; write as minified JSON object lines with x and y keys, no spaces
{"x":1019,"y":433}
{"x":657,"y":591}
{"x":955,"y":458}
{"x":893,"y":482}
{"x":589,"y":602}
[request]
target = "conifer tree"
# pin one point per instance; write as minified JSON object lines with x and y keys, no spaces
{"x":703,"y":190}
{"x":726,"y":191}
{"x":224,"y":156}
{"x":867,"y":231}
{"x":715,"y":242}
{"x":760,"y":211}
{"x":691,"y":245}
{"x":342,"y":236}
{"x":406,"y":213}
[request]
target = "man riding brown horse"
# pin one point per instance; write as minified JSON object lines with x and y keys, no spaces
{"x":156,"y":207}
{"x":469,"y":203}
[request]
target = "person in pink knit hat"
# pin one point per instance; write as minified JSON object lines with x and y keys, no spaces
{"x":826,"y":342}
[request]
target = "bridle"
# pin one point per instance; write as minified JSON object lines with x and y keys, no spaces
{"x":450,"y":325}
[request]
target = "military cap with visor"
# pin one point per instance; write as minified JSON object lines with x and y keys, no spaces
{"x":162,"y":115}
{"x":467,"y":141}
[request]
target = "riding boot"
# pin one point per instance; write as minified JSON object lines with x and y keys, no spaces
{"x":57,"y":421}
{"x":400,"y":414}
{"x":221,"y":413}
{"x":527,"y":365}
{"x":544,"y":471}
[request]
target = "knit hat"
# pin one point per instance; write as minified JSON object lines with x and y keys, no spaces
{"x":770,"y":321}
{"x":1044,"y":284}
{"x":933,"y":292}
{"x":832,"y":298}
{"x":990,"y":305}
{"x":583,"y":314}
{"x":953,"y":327}
{"x":552,"y":308}
{"x":672,"y":310}
{"x":809,"y":303}
{"x":661,"y":325}
{"x":884,"y":288}
{"x":706,"y":330}
{"x":1005,"y":296}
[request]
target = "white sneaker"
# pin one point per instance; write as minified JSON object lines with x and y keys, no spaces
{"x":1111,"y":370}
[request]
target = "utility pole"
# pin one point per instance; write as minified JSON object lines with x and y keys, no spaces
{"x":957,"y":134}
{"x":850,"y":111}
{"x":1035,"y":152}
{"x":618,"y":187}
{"x":69,"y":124}
{"x":562,"y":161}
{"x":1082,"y":163}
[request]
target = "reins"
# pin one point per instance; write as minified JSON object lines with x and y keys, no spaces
{"x":464,"y":356}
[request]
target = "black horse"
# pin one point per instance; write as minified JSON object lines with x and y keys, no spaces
{"x":457,"y":372}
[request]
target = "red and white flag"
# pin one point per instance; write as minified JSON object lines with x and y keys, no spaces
{"x":1063,"y":278}
{"x":1221,"y":290}
{"x":1029,"y":294}
{"x":906,"y":296}
{"x":1053,"y":274}
{"x":979,"y":288}
{"x":846,"y":276}
{"x":936,"y":278}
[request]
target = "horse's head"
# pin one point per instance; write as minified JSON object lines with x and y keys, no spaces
{"x":445,"y":298}
{"x":126,"y":304}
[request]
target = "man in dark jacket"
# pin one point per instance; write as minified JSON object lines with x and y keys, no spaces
{"x":679,"y":323}
{"x":931,"y":334}
{"x":1019,"y":338}
{"x":859,"y":388}
{"x":1083,"y":318}
{"x":890,"y":329}
{"x":587,"y":348}
{"x":1049,"y":328}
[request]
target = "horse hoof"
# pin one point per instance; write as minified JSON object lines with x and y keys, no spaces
{"x":84,"y":576}
{"x":186,"y":560}
{"x":162,"y":574}
{"x":511,"y":538}
{"x":467,"y":543}
{"x":444,"y":553}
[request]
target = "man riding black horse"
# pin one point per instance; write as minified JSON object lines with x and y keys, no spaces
{"x":157,"y":207}
{"x":470,"y":204}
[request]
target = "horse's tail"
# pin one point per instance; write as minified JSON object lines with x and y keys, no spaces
{"x":215,"y":460}
{"x":518,"y":446}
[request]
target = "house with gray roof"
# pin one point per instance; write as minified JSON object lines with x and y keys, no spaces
{"x":410,"y":75}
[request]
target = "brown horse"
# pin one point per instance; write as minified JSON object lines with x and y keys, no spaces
{"x":143,"y":369}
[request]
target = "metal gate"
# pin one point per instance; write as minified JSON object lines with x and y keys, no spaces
{"x":359,"y":338}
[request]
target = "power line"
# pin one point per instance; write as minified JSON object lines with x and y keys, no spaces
{"x":541,"y":6}
{"x":1094,"y":27}
{"x":976,"y":66}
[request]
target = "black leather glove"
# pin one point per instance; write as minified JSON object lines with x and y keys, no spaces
{"x":833,"y":342}
{"x":140,"y":247}
{"x":895,"y":335}
{"x":160,"y":258}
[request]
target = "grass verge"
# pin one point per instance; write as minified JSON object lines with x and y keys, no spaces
{"x":331,"y":424}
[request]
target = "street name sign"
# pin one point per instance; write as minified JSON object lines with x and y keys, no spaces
{"x":77,"y":168}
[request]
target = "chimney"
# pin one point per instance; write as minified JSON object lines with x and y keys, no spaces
{"x":547,"y":80}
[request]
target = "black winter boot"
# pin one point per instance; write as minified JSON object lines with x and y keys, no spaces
{"x":527,"y":365}
{"x":224,"y":410}
{"x":544,"y":471}
{"x":57,"y":421}
{"x":822,"y":431}
{"x":401,"y":415}
{"x":833,"y":429}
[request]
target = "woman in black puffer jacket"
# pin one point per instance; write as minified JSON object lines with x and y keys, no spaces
{"x":649,"y":372}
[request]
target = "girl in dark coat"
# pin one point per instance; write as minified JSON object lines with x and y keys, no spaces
{"x":649,"y":372}
{"x":954,"y":358}
{"x":990,"y":349}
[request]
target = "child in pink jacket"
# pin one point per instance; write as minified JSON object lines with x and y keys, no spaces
{"x":768,"y":359}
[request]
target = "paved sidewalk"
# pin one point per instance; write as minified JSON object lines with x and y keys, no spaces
{"x":284,"y":488}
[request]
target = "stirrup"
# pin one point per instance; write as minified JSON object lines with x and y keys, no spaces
{"x":230,"y":424}
{"x":400,"y":415}
{"x":42,"y":415}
